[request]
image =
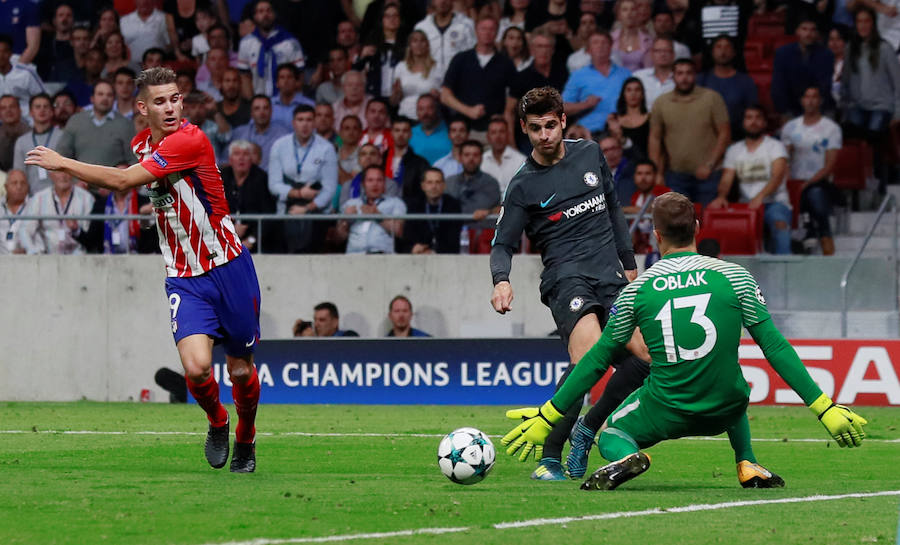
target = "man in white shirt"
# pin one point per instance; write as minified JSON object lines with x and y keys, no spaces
{"x":18,"y":80}
{"x":759,"y":164}
{"x":370,"y":236}
{"x":11,"y":206}
{"x":263,"y":50}
{"x":63,"y":198}
{"x":657,"y":79}
{"x":813,"y":142}
{"x":448,"y":33}
{"x":500,"y":160}
{"x":144,"y":28}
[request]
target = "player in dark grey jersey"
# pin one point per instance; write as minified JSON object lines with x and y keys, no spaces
{"x":564,"y":199}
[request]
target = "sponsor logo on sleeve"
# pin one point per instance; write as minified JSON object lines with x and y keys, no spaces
{"x":159,"y":159}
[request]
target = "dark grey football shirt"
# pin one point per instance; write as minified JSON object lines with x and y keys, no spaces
{"x":572,"y":216}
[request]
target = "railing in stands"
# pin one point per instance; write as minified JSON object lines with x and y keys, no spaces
{"x":889,"y":202}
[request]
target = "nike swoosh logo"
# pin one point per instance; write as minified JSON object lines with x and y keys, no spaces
{"x":251,"y":343}
{"x":545,"y":203}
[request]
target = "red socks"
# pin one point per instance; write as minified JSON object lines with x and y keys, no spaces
{"x":207,"y":396}
{"x":246,"y":398}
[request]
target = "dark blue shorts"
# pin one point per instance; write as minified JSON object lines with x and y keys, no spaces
{"x":223,"y":303}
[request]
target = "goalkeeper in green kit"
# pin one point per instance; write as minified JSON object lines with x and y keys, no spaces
{"x":690,"y":310}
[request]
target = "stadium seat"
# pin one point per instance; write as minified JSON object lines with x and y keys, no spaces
{"x":854,"y":163}
{"x":182,"y":66}
{"x":737,"y":228}
{"x":756,"y":56}
{"x":764,"y":27}
{"x":481,"y":240}
{"x":793,"y":187}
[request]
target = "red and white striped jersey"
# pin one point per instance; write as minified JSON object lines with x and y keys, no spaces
{"x":196,"y":233}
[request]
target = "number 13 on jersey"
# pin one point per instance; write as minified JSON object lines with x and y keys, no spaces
{"x":674,"y":351}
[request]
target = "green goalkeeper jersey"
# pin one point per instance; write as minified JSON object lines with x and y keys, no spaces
{"x":690,"y":309}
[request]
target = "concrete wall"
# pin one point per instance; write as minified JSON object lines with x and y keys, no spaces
{"x":97,"y":327}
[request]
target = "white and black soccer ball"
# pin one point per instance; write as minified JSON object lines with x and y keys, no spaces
{"x":466,"y":456}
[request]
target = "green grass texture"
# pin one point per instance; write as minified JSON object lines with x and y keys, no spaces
{"x":138,"y":476}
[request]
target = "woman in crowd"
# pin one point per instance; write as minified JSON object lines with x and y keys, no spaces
{"x":180,"y":24}
{"x":837,"y":44}
{"x":631,"y":122}
{"x":513,"y":46}
{"x":870,"y":88}
{"x":415,"y":75}
{"x":630,"y":42}
{"x":117,"y":55}
{"x":383,"y":52}
{"x":107,"y":23}
{"x":513,"y":15}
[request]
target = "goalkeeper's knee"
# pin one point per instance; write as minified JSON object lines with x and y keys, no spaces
{"x":615,"y":444}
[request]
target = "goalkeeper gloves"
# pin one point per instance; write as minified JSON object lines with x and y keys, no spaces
{"x":530,"y":435}
{"x":844,"y":425}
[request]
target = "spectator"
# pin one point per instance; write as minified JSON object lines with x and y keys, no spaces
{"x":664,"y":27}
{"x":870,"y":92}
{"x":369,"y":155}
{"x":261,"y":130}
{"x":690,"y":127}
{"x":56,"y":57}
{"x":400,"y":314}
{"x":630,"y":42}
{"x":500,"y":160}
{"x":576,"y":132}
{"x":325,"y":123}
{"x":541,"y":72}
{"x":451,"y":164}
{"x":123,"y":85}
{"x":57,"y":236}
{"x":888,"y":19}
{"x":152,"y":58}
{"x":197,"y":110}
{"x":107,"y":23}
{"x":514,"y":47}
{"x":837,"y":42}
{"x":247,"y":192}
{"x":264,"y":49}
{"x":430,"y":137}
{"x":289,"y":95}
{"x":513,"y":16}
{"x":406,"y":166}
{"x":213,"y":73}
{"x":180,"y":25}
{"x":759,"y":164}
{"x":657,"y":79}
{"x":482,"y":64}
{"x":100,"y":136}
{"x":478,"y":193}
{"x":303,"y":176}
{"x":433,"y":237}
{"x":630,"y":124}
{"x":383,"y":52}
{"x":117,"y":55}
{"x":145,"y":28}
{"x":327,"y":322}
{"x":11,"y":129}
{"x":302,"y":328}
{"x":377,"y":131}
{"x":799,"y":65}
{"x":587,"y":25}
{"x":348,"y":40}
{"x":593,"y":90}
{"x":355,"y":99}
{"x":43,"y":133}
{"x":645,"y":188}
{"x":736,"y":88}
{"x":559,"y":18}
{"x":449,"y":33}
{"x":63,"y":108}
{"x":12,"y":204}
{"x":338,"y":64}
{"x":812,"y":142}
{"x":83,"y":86}
{"x":23,"y":28}
{"x":370,"y":236}
{"x":233,"y":107}
{"x":17,"y":80}
{"x":348,"y":152}
{"x":122,"y":236}
{"x":81,"y":44}
{"x":204,"y":20}
{"x":313,"y":22}
{"x":621,"y":167}
{"x":415,"y":76}
{"x":729,"y":17}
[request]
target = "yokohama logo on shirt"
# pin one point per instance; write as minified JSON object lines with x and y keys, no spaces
{"x":196,"y":233}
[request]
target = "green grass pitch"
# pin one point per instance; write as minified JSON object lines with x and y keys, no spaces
{"x":156,"y":488}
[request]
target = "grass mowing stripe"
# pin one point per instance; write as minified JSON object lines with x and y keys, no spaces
{"x":395,"y":435}
{"x":564,"y":520}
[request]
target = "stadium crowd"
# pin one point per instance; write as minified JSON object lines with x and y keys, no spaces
{"x":409,"y":106}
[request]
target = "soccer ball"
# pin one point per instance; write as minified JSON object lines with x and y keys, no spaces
{"x":466,"y":456}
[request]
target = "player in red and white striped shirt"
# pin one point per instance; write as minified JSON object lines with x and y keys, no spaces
{"x":211,"y":282}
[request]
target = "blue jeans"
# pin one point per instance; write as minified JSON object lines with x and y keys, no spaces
{"x":873,"y":127}
{"x":701,"y":191}
{"x":779,"y":238}
{"x":815,"y":202}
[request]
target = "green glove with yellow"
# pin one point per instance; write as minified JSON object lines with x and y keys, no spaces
{"x":529,"y":436}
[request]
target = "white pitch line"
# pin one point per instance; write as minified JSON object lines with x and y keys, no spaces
{"x":388,"y":435}
{"x":694,"y":508}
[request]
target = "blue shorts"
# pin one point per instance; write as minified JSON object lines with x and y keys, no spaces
{"x":223,"y":303}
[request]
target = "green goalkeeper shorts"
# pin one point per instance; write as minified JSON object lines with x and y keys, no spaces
{"x":648,"y":421}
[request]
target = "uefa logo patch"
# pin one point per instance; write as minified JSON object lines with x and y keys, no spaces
{"x":759,"y":296}
{"x":591,"y":179}
{"x":159,"y":159}
{"x":576,"y":303}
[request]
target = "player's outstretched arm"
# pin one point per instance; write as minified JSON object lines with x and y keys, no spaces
{"x":528,"y":436}
{"x":112,"y":178}
{"x":845,"y":426}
